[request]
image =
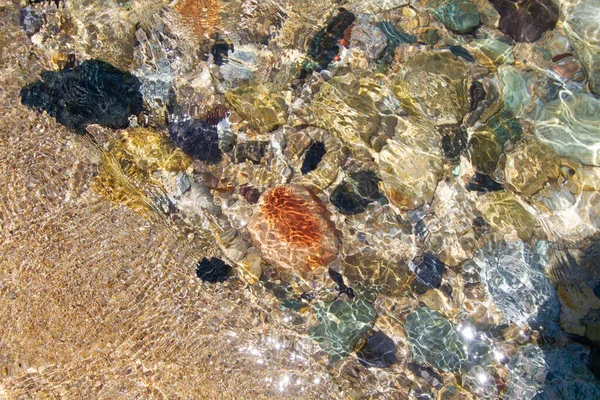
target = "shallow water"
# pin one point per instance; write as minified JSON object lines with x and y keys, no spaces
{"x":300,"y":199}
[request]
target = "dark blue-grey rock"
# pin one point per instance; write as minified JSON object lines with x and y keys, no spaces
{"x":379,"y":351}
{"x":95,"y":92}
{"x":313,"y":157}
{"x":197,"y":138}
{"x":429,"y":272}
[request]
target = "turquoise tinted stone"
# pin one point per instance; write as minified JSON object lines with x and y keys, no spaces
{"x":435,"y":341}
{"x":341,"y":325}
{"x":506,"y":127}
{"x":457,"y":15}
{"x":570,"y":125}
{"x":514,"y":89}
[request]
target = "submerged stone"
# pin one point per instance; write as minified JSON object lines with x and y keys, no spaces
{"x":454,"y":142}
{"x":515,"y":89}
{"x":517,"y":285}
{"x":196,"y":138}
{"x":506,"y":127}
{"x":292,"y":229}
{"x":341,"y":326}
{"x":503,"y":211}
{"x":358,"y":190}
{"x":30,"y":20}
{"x":261,"y":104}
{"x":369,"y":38}
{"x":313,"y":157}
{"x":95,"y":92}
{"x":457,"y":15}
{"x":324,"y":47}
{"x":483,"y":183}
{"x":570,"y":125}
{"x":433,"y":85}
{"x":219,"y":51}
{"x":492,"y":52}
{"x":429,"y":272}
{"x":581,"y":25}
{"x":485,"y":151}
{"x":461,"y":52}
{"x":252,"y":150}
{"x":435,"y":341}
{"x":212,"y":270}
{"x":529,"y":166}
{"x":379,"y":351}
{"x":526,"y":20}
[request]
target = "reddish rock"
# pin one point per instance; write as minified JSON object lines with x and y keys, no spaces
{"x":293,"y":230}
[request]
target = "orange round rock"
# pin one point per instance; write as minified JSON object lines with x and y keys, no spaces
{"x":293,"y":230}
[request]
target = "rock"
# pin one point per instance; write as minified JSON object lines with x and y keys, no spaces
{"x":577,"y":301}
{"x":461,"y":52}
{"x":212,"y":270}
{"x":341,"y":326}
{"x":324,"y":47}
{"x":454,"y":142}
{"x":485,"y":151}
{"x":369,"y":38}
{"x":196,"y":138}
{"x":492,"y":53}
{"x":434,"y":340}
{"x":506,"y":128}
{"x":526,"y":20}
{"x":487,"y":13}
{"x":457,"y":15}
{"x":429,"y":271}
{"x":219,"y":50}
{"x":356,"y":192}
{"x":313,"y":157}
{"x":483,"y":183}
{"x":551,"y":372}
{"x":95,"y":92}
{"x":240,"y":65}
{"x":292,"y":229}
{"x":410,"y":168}
{"x":379,"y":351}
{"x":260,"y":104}
{"x":252,"y":150}
{"x":103,"y":30}
{"x":30,"y":20}
{"x":451,"y":234}
{"x":571,"y":127}
{"x":517,"y":285}
{"x":515,"y":89}
{"x":581,"y":26}
{"x":529,"y":166}
{"x":342,"y":107}
{"x":433,"y":85}
{"x":503,"y":212}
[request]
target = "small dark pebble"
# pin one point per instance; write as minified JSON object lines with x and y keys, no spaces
{"x":313,"y":157}
{"x":95,"y":92}
{"x":219,"y":51}
{"x":251,"y":194}
{"x":461,"y":52}
{"x":356,"y":192}
{"x":379,"y":351}
{"x":454,"y":142}
{"x":30,"y":20}
{"x":483,"y":183}
{"x":429,"y":273}
{"x":212,"y":270}
{"x":197,"y":138}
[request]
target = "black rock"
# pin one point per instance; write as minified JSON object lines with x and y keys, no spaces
{"x":476,"y":95}
{"x":483,"y":183}
{"x":356,"y":192}
{"x":30,"y":20}
{"x":454,"y":142}
{"x":342,"y":288}
{"x":526,"y":20}
{"x":379,"y":351}
{"x":93,"y":93}
{"x":461,"y":52}
{"x":212,"y":270}
{"x":324,"y":46}
{"x":429,"y":273}
{"x":219,"y":51}
{"x":197,"y":138}
{"x":313,"y":157}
